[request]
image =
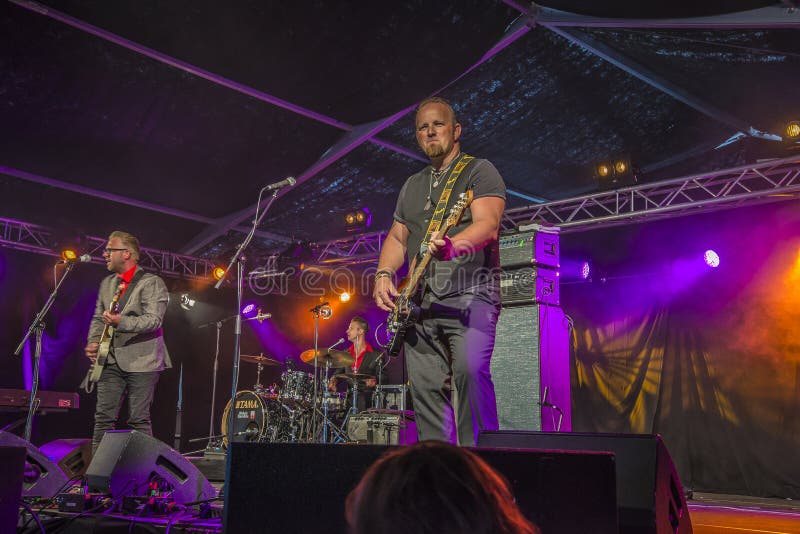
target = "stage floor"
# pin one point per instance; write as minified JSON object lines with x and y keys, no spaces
{"x":714,"y":513}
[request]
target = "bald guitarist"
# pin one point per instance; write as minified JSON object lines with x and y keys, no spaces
{"x":130,"y":330}
{"x":449,"y":348}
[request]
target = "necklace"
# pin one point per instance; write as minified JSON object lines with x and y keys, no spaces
{"x":435,"y":178}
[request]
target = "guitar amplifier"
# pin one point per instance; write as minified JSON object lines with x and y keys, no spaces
{"x":530,"y":285}
{"x":382,"y":427}
{"x":536,"y":245}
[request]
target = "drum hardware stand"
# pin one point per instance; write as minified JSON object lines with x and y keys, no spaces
{"x":340,"y":434}
{"x":238,"y":259}
{"x":37,"y":328}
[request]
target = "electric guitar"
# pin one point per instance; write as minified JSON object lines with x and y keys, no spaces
{"x":406,"y":311}
{"x":105,"y":340}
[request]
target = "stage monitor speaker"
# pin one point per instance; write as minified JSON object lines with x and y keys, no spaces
{"x":12,"y":460}
{"x":43,"y":478}
{"x":71,"y":455}
{"x":126,"y":460}
{"x":649,"y":493}
{"x":277,"y":487}
{"x":382,"y":427}
{"x":531,"y":358}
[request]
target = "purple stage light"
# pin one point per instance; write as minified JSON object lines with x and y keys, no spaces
{"x":585,"y":270}
{"x":248,"y":309}
{"x":711,"y":258}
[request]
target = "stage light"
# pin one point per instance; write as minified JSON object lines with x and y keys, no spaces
{"x":603,"y":170}
{"x":357,"y":220}
{"x":586,"y":270}
{"x":711,"y":258}
{"x":793,"y":130}
{"x":187,"y":303}
{"x":248,"y":309}
{"x":344,"y":296}
{"x":69,"y":254}
{"x":613,"y":173}
{"x":218,"y":273}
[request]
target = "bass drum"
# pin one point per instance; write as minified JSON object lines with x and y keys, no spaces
{"x":256,"y":417}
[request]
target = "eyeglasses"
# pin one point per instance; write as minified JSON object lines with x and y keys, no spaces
{"x":110,"y":250}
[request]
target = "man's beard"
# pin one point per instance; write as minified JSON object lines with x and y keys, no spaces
{"x":434,"y":150}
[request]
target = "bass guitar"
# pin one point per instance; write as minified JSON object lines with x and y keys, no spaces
{"x":406,"y":311}
{"x":105,"y":341}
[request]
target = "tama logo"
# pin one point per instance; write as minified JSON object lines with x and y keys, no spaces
{"x":246,"y":404}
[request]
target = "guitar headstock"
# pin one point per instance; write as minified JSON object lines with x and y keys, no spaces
{"x":457,"y":211}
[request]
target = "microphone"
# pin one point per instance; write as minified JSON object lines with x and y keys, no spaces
{"x":283,"y":183}
{"x":319,"y":306}
{"x":341,"y":340}
{"x":85,"y":258}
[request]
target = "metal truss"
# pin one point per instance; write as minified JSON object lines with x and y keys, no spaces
{"x":37,"y":239}
{"x":764,"y":182}
{"x":740,"y":186}
{"x":356,"y":249}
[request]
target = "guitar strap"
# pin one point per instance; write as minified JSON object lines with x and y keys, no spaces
{"x":441,"y":205}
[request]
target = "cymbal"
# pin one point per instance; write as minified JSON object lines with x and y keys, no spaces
{"x":263,"y":360}
{"x":336,"y":358}
{"x":353,"y":376}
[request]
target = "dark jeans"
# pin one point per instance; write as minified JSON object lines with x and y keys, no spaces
{"x":447,"y":357}
{"x":112,"y":389}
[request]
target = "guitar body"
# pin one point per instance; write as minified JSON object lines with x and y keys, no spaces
{"x":96,"y":370}
{"x":406,"y":312}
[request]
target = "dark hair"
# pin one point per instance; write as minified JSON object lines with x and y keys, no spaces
{"x":433,"y":487}
{"x":361,"y":322}
{"x":436,"y":100}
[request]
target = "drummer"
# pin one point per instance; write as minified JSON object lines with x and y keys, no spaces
{"x":365,"y":363}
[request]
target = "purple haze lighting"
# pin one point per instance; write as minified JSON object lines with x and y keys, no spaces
{"x":711,"y":258}
{"x":248,"y":309}
{"x":585,"y":270}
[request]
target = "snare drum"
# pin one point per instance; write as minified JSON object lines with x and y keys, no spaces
{"x":255,"y":418}
{"x":336,"y":402}
{"x":298,"y":388}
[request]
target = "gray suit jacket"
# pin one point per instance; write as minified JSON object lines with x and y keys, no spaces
{"x":138,"y":344}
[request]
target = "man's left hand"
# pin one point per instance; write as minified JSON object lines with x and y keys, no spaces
{"x":111,"y":318}
{"x":441,"y":248}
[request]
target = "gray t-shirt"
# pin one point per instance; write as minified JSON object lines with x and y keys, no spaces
{"x":476,"y":272}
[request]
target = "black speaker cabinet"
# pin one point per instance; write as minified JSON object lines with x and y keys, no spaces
{"x":71,"y":455}
{"x":649,"y":493}
{"x":126,"y":460}
{"x":531,"y":358}
{"x":12,"y":460}
{"x":43,"y":478}
{"x":279,"y":487}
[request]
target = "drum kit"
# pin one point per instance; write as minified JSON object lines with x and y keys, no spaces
{"x":299,"y":410}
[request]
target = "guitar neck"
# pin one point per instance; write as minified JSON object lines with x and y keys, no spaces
{"x":422,"y":266}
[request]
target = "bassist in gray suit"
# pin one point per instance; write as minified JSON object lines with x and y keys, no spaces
{"x":136,"y":353}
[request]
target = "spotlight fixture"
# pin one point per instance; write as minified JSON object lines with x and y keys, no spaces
{"x":357,"y":220}
{"x":187,"y":303}
{"x":711,"y":258}
{"x":586,"y":270}
{"x":792,"y":130}
{"x":248,"y":309}
{"x":344,"y":296}
{"x":69,"y":254}
{"x":218,"y":273}
{"x":613,"y":173}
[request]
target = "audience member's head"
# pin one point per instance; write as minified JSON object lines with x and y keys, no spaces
{"x":433,"y":487}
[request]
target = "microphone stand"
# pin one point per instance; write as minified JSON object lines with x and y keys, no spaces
{"x":239,"y":260}
{"x":37,"y":327}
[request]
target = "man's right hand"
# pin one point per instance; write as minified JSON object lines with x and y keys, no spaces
{"x":385,"y":293}
{"x":91,"y":350}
